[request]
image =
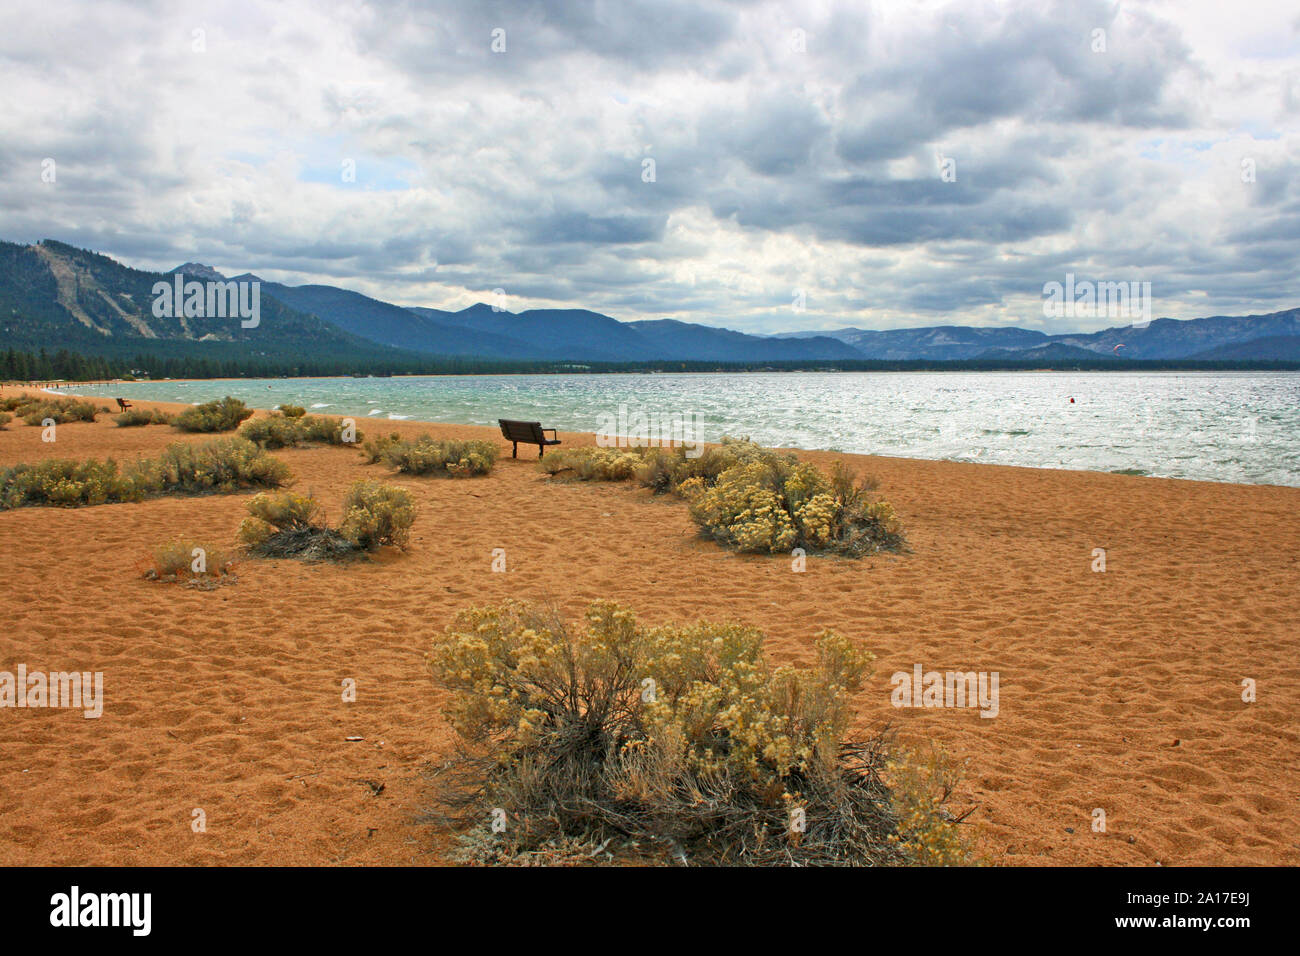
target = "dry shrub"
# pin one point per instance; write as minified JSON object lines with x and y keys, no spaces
{"x":592,"y":464}
{"x":375,"y":514}
{"x":292,"y":411}
{"x":287,"y":524}
{"x":454,"y":457}
{"x":273,"y":431}
{"x":221,"y":465}
{"x":666,"y":469}
{"x":219,"y":416}
{"x":749,"y":497}
{"x":66,"y":483}
{"x":923,"y":778}
{"x":134,"y":417}
{"x":372,"y":450}
{"x":328,"y":430}
{"x":35,"y":411}
{"x":776,"y":505}
{"x":285,"y":431}
{"x":5,"y":419}
{"x":273,"y":512}
{"x":185,"y":562}
{"x":676,"y":738}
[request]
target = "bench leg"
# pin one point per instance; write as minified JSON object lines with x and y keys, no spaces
{"x":541,"y":450}
{"x":514,"y":452}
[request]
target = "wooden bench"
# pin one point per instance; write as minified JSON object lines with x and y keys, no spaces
{"x":123,"y":404}
{"x":530,"y":433}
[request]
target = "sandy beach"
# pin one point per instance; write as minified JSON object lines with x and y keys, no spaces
{"x":1120,"y":690}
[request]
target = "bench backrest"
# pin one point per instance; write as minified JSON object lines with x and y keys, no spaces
{"x":522,"y":431}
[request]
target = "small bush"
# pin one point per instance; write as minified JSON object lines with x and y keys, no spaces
{"x":185,"y":562}
{"x":274,"y":431}
{"x":680,"y":737}
{"x":749,"y":497}
{"x":5,"y":419}
{"x":288,"y":525}
{"x":220,"y":416}
{"x":134,"y":417}
{"x":285,"y":524}
{"x":35,"y":411}
{"x":221,"y":464}
{"x":372,"y":450}
{"x":666,"y":469}
{"x":283,"y":431}
{"x":592,"y":464}
{"x":376,"y":514}
{"x":773,"y":505}
{"x":272,"y":512}
{"x":64,"y":483}
{"x":454,"y":457}
{"x":328,"y":430}
{"x":745,"y":511}
{"x":292,"y":411}
{"x":663,"y":469}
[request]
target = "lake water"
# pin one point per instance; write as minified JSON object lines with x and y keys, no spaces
{"x":1214,"y":426}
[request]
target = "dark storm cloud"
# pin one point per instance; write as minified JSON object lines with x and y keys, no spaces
{"x":581,"y":227}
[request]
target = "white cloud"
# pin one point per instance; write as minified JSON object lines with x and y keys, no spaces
{"x":775,"y":168}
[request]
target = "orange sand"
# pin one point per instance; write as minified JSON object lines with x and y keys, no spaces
{"x":1118,"y":690}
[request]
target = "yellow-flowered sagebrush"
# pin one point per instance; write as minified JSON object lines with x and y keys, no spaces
{"x":678,"y":736}
{"x":182,"y":468}
{"x":593,"y":463}
{"x":288,"y":524}
{"x":428,"y":456}
{"x":375,"y":514}
{"x":748,"y":497}
{"x":188,"y":562}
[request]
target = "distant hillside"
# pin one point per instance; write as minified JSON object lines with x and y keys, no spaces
{"x":1051,"y":352}
{"x":683,"y":340}
{"x":392,"y":325}
{"x":1175,"y":339}
{"x":943,"y":343}
{"x":55,"y":296}
{"x":577,"y":334}
{"x":1161,"y":339}
{"x":582,"y":335}
{"x":1273,"y":348}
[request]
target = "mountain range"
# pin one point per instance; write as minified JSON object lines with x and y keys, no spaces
{"x":53,"y":295}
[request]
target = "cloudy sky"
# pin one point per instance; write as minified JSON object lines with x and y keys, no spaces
{"x":691,"y":159}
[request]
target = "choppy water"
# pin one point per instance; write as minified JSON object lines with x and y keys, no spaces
{"x":1215,"y":426}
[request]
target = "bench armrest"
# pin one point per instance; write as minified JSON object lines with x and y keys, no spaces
{"x":551,"y":430}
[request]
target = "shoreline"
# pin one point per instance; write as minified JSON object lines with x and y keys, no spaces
{"x":494,"y":432}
